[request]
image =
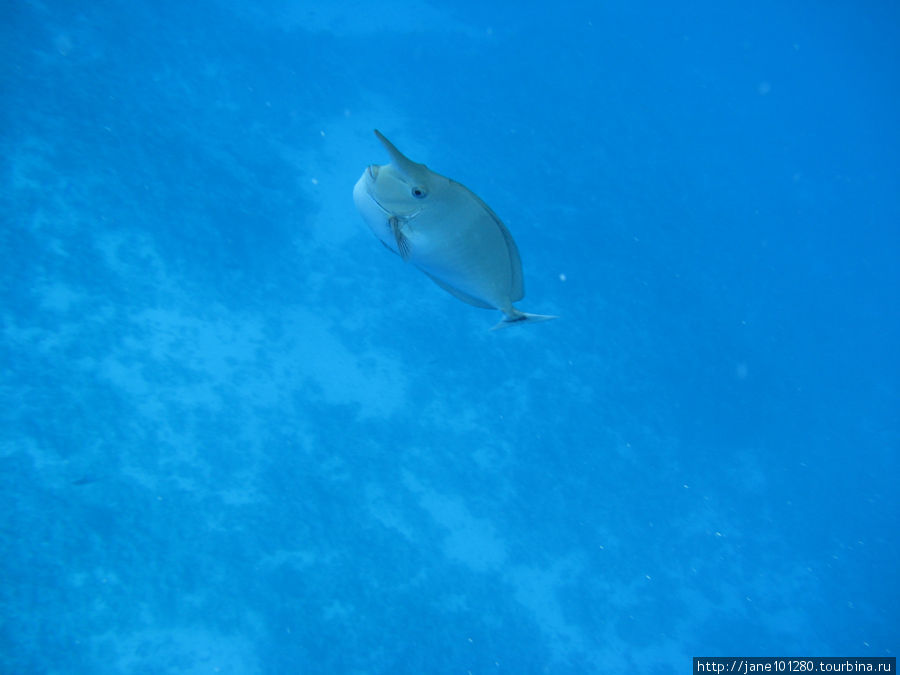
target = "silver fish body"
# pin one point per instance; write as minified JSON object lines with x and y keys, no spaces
{"x":445,"y":230}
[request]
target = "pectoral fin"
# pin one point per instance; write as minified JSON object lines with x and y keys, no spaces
{"x":402,"y":242}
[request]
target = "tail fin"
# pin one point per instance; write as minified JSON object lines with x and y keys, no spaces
{"x":517,"y":317}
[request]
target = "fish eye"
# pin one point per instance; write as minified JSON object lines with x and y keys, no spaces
{"x":418,"y":192}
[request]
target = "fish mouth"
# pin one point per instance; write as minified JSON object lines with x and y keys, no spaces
{"x":379,"y":204}
{"x":393,"y":214}
{"x":371,"y":176}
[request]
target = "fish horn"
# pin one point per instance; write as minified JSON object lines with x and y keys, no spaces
{"x":404,"y":163}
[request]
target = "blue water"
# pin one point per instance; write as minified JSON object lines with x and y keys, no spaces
{"x":239,"y":436}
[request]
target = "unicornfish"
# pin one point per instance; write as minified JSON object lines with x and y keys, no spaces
{"x":446,"y":231}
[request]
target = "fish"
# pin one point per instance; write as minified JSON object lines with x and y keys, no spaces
{"x":446,"y":231}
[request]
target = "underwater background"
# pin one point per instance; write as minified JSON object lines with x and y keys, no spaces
{"x":239,"y":436}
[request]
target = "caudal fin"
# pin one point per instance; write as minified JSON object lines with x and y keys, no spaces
{"x":517,"y":317}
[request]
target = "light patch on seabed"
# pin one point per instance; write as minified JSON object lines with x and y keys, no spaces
{"x":131,"y":255}
{"x":224,"y":350}
{"x":225,"y":359}
{"x":386,"y":513}
{"x":176,"y":362}
{"x":58,"y":297}
{"x":183,"y":650}
{"x":469,"y":539}
{"x":369,"y":379}
{"x":475,"y":542}
{"x":538,"y":589}
{"x":51,"y":467}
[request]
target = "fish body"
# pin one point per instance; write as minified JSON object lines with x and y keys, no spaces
{"x":445,"y":230}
